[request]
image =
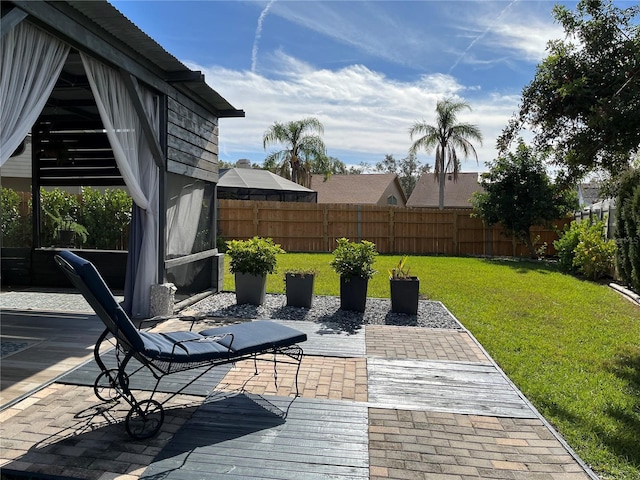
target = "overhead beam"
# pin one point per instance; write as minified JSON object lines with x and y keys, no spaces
{"x":10,"y":19}
{"x":133,"y":88}
{"x":184,"y":76}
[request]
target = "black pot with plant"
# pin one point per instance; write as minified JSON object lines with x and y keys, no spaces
{"x":353,"y":261}
{"x":250,"y":261}
{"x":405,"y":289}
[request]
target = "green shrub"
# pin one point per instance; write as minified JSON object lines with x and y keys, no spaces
{"x":566,"y":245}
{"x":583,"y":248}
{"x":628,"y":229}
{"x":107,"y":217}
{"x":256,"y":256}
{"x":594,"y":254}
{"x":351,"y":259}
{"x":16,"y":228}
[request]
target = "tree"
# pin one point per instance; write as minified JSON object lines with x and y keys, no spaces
{"x":327,"y":166}
{"x":519,"y":194}
{"x":408,"y":170}
{"x":628,"y":228}
{"x":302,"y":144}
{"x":447,"y":136}
{"x":584,"y":101}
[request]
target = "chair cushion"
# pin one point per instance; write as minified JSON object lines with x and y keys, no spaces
{"x":194,"y":347}
{"x":255,"y":337}
{"x":94,"y":289}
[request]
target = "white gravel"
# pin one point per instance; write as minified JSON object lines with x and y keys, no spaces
{"x":327,"y":309}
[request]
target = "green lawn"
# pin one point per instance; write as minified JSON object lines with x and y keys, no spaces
{"x":572,"y":347}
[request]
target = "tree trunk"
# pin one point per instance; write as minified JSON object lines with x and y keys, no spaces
{"x":441,"y":192}
{"x":527,"y":241}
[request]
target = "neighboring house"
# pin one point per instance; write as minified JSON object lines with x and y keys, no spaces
{"x":16,"y":172}
{"x":362,"y":189}
{"x":246,"y":183}
{"x":588,"y":193}
{"x":457,"y":194}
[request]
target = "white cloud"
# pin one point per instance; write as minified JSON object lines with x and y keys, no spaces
{"x":365,"y":114}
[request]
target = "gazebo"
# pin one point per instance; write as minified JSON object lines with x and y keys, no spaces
{"x":105,"y":106}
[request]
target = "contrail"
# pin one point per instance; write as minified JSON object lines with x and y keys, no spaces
{"x":256,"y":40}
{"x":480,"y":37}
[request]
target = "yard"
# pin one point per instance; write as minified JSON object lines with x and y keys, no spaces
{"x":571,"y":346}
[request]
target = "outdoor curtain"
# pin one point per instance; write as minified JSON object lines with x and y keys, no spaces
{"x":30,"y":64}
{"x":136,"y":164}
{"x":183,"y":217}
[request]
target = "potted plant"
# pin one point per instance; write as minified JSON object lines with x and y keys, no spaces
{"x":250,"y":261}
{"x":404,"y":289}
{"x":67,"y":230}
{"x":353,"y":261}
{"x":299,"y":287}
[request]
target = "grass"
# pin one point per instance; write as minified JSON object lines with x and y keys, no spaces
{"x":571,"y":346}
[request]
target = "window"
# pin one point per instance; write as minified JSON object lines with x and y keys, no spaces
{"x":392,"y":200}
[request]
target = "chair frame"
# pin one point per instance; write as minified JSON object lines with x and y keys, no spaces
{"x":146,"y":417}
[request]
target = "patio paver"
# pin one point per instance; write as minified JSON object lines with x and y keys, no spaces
{"x":368,"y":409}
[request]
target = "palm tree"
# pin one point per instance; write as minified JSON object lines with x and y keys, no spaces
{"x":302,"y":142}
{"x":447,"y":137}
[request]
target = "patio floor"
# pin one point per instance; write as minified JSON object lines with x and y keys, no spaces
{"x":386,"y":402}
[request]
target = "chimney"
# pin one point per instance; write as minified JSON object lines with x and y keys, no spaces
{"x":243,"y":163}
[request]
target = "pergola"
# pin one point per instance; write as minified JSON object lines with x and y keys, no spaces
{"x":106,"y":105}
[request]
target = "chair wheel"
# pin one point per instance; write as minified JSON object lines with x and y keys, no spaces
{"x":106,"y":385}
{"x":144,"y":419}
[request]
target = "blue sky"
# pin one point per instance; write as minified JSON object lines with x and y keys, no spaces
{"x":366,"y":69}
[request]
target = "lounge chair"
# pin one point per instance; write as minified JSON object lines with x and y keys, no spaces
{"x":167,"y":353}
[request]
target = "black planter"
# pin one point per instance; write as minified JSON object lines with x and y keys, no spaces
{"x":299,"y":288}
{"x":251,"y":289}
{"x":66,"y":238}
{"x":404,"y":295}
{"x":353,"y":293}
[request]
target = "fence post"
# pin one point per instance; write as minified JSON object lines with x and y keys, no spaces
{"x":456,"y":245}
{"x":255,"y":219}
{"x":359,"y":224}
{"x":325,"y":227}
{"x":391,"y":233}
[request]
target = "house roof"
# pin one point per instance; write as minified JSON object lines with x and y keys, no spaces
{"x":589,"y":193}
{"x":257,"y":179}
{"x":355,"y":188}
{"x":456,"y":194}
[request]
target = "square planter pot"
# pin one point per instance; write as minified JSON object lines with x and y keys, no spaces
{"x":251,"y":289}
{"x":404,"y":295}
{"x":353,"y":293}
{"x":299,"y":288}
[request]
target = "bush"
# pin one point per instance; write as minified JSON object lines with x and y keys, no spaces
{"x":16,"y":228}
{"x":628,"y":229}
{"x":566,"y":245}
{"x":256,"y":256}
{"x":351,"y":259}
{"x":594,"y":254}
{"x":583,"y":248}
{"x":107,"y":217}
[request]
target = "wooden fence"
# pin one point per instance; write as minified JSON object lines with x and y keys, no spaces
{"x":309,"y":227}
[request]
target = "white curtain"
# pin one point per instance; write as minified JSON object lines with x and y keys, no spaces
{"x":135,"y":162}
{"x":30,"y":64}
{"x":183,"y":217}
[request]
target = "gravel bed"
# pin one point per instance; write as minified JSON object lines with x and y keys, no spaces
{"x":326,"y":309}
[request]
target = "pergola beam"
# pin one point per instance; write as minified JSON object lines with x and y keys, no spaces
{"x":10,"y":19}
{"x":150,"y":134}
